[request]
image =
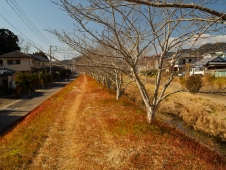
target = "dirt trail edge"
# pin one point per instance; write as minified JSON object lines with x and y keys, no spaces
{"x":60,"y":138}
{"x":93,"y":130}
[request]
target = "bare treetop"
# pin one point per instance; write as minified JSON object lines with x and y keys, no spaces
{"x":115,"y":34}
{"x":184,"y":4}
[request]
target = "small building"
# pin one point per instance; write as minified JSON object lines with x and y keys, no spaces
{"x":210,"y":55}
{"x":215,"y":66}
{"x":6,"y":79}
{"x":179,"y":61}
{"x":39,"y":62}
{"x":22,"y":62}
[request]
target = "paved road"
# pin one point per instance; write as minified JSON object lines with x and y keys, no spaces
{"x":17,"y":110}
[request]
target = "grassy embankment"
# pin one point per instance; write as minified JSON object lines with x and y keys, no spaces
{"x":18,"y":147}
{"x":110,"y":134}
{"x":202,"y":114}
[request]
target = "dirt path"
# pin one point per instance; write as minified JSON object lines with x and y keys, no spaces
{"x":58,"y":150}
{"x":94,"y":131}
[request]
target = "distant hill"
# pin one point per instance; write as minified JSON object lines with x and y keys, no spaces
{"x":208,"y":48}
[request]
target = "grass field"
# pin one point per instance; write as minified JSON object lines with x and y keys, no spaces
{"x":204,"y":114}
{"x":84,"y":127}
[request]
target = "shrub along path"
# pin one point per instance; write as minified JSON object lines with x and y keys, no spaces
{"x":91,"y":130}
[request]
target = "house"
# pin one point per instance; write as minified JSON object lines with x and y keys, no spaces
{"x":213,"y":63}
{"x":71,"y":64}
{"x":22,"y":62}
{"x":209,"y":55}
{"x":221,"y":54}
{"x":6,"y":78}
{"x":152,"y":62}
{"x":179,"y":61}
{"x":38,"y":62}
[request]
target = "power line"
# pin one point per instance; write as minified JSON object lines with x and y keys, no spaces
{"x":34,"y":44}
{"x":17,"y":30}
{"x":31,"y":23}
{"x":27,"y":24}
{"x":28,"y":21}
{"x":14,"y":27}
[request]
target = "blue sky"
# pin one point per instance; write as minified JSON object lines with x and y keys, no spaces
{"x":44,"y":15}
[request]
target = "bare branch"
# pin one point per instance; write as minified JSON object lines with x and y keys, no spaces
{"x":222,"y":16}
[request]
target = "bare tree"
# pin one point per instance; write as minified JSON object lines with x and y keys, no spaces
{"x":108,"y":70}
{"x":24,"y":45}
{"x":129,"y":29}
{"x":183,"y":4}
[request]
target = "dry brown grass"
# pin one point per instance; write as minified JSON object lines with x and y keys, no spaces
{"x":199,"y":113}
{"x":94,"y":131}
{"x":202,"y":114}
{"x":19,"y":145}
{"x":116,"y":136}
{"x":214,"y":83}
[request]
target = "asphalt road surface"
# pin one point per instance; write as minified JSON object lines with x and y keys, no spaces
{"x":18,"y":109}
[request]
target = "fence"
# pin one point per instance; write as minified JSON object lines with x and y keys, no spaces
{"x":220,"y":74}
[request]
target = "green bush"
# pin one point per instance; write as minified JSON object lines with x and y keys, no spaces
{"x":214,"y":82}
{"x":193,"y":83}
{"x":34,"y":78}
{"x":220,"y":82}
{"x":45,"y":78}
{"x":182,"y":81}
{"x":26,"y":82}
{"x":149,"y":73}
{"x":23,"y":82}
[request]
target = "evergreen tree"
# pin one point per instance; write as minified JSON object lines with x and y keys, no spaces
{"x":8,"y":41}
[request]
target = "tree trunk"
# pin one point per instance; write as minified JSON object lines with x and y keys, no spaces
{"x":150,"y":108}
{"x":118,"y":84}
{"x":108,"y":84}
{"x":117,"y":93}
{"x":103,"y":80}
{"x":150,"y":114}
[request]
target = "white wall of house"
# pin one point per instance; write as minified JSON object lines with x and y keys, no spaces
{"x":210,"y":55}
{"x":215,"y":54}
{"x":39,"y":64}
{"x":222,"y":53}
{"x":18,"y":64}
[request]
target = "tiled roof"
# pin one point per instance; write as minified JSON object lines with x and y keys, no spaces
{"x":38,"y":57}
{"x":204,"y":61}
{"x":182,"y":56}
{"x":6,"y":72}
{"x":18,"y":54}
{"x":211,"y":60}
{"x":15,"y":54}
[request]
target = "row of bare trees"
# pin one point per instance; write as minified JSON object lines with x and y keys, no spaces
{"x":113,"y":35}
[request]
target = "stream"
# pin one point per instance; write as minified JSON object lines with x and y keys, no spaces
{"x":212,"y":142}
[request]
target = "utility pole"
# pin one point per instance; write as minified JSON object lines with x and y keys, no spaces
{"x":50,"y":69}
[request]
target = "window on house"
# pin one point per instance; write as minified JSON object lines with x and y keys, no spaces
{"x":13,"y":62}
{"x":1,"y":62}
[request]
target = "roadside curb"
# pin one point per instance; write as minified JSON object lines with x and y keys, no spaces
{"x":16,"y":111}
